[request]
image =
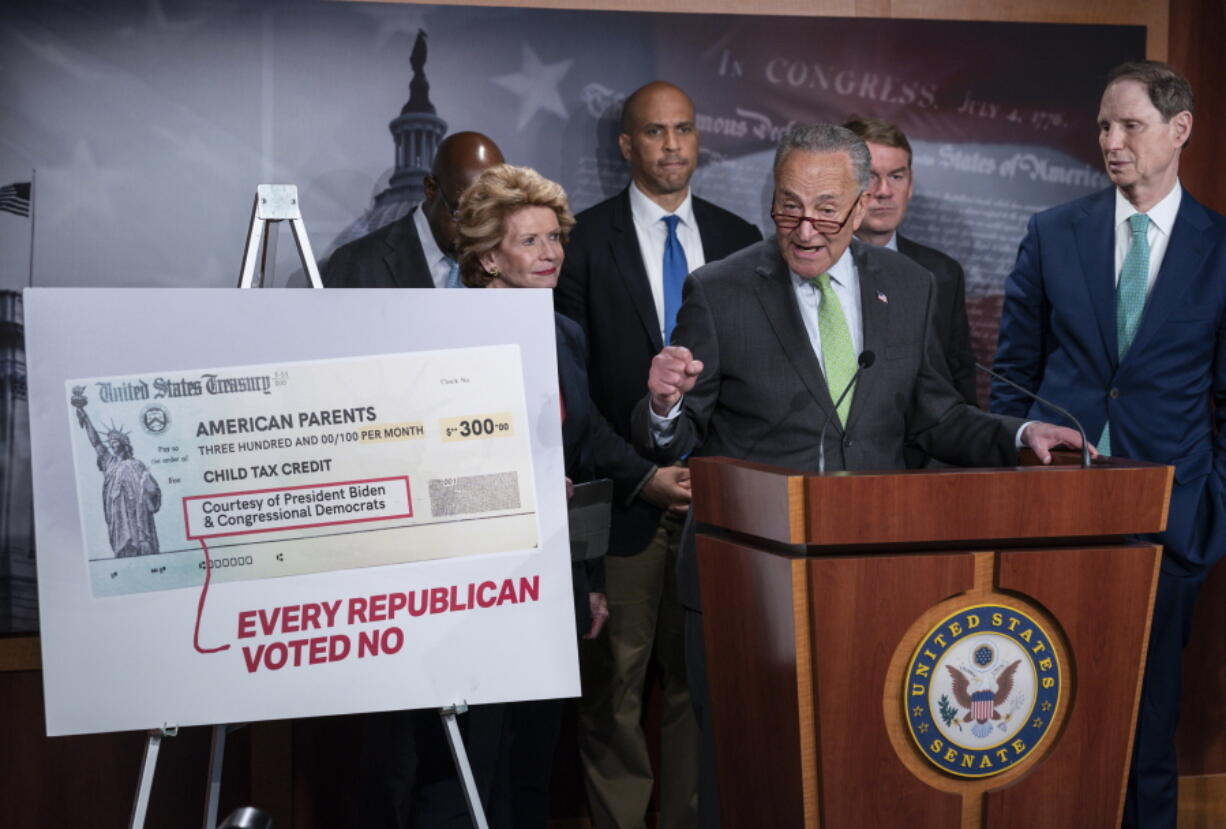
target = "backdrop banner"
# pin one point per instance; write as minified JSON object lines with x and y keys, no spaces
{"x":145,"y":128}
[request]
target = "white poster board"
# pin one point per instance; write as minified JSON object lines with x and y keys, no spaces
{"x":371,"y":480}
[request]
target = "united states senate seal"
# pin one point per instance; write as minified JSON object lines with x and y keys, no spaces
{"x":982,"y":690}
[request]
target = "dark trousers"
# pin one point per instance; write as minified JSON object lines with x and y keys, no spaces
{"x":511,"y":747}
{"x":696,"y":674}
{"x":403,"y":756}
{"x":1152,"y":798}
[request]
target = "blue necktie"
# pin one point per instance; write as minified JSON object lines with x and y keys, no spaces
{"x":453,"y":274}
{"x":675,"y":271}
{"x":1130,"y":297}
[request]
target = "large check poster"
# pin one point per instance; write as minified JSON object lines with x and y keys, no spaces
{"x":256,"y":521}
{"x":302,"y":467}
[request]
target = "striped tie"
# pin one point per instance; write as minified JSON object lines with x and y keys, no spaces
{"x":838,"y":356}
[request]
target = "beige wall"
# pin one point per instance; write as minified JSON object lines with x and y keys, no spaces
{"x":1154,"y":15}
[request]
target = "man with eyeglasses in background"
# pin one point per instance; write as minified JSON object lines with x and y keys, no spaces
{"x":768,"y":339}
{"x":418,"y":251}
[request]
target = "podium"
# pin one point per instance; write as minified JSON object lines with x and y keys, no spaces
{"x":944,"y":648}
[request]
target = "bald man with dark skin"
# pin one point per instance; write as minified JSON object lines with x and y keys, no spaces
{"x":460,"y":159}
{"x":417,"y":251}
{"x":621,"y":280}
{"x":405,"y":771}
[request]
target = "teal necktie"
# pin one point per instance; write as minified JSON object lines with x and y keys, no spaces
{"x":1134,"y":279}
{"x":1130,"y":297}
{"x":453,"y":274}
{"x":838,"y":356}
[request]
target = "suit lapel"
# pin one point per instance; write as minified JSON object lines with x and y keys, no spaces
{"x":572,"y":399}
{"x":1185,"y":254}
{"x":778,"y":300}
{"x":711,"y":230}
{"x":1095,"y":236}
{"x":404,"y":257}
{"x":874,"y":325}
{"x":624,"y":246}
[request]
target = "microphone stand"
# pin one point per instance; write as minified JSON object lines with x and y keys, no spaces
{"x":1085,"y":444}
{"x":866,"y":360}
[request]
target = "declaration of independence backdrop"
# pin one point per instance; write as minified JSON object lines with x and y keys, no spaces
{"x":146,"y":126}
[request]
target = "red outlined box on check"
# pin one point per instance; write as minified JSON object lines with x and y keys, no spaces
{"x":296,"y":507}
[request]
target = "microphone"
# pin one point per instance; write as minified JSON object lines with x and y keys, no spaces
{"x":866,"y":360}
{"x":1085,"y":444}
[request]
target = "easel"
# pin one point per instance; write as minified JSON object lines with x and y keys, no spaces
{"x":275,"y":203}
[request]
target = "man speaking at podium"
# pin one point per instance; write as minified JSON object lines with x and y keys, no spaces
{"x":768,"y":339}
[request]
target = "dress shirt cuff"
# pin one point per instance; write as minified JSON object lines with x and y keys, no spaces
{"x":1018,"y":443}
{"x":634,"y":493}
{"x":663,"y":429}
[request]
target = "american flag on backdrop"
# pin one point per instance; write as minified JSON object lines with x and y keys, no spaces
{"x":15,"y":198}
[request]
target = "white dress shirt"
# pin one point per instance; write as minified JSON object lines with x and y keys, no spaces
{"x":652,"y":234}
{"x":845,"y":280}
{"x":1161,"y":223}
{"x":438,"y":262}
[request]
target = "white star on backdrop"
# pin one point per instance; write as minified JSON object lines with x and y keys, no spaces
{"x":536,"y":84}
{"x":84,"y":188}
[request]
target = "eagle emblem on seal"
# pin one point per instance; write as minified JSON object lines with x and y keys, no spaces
{"x":979,"y":698}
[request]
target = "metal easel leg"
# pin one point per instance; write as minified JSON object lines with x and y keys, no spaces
{"x":458,"y":753}
{"x":212,"y":791}
{"x":144,"y":784}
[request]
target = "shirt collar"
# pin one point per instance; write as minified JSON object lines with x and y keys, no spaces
{"x":425,"y":235}
{"x":893,"y":243}
{"x":1161,"y":214}
{"x":842,"y":272}
{"x":647,"y":212}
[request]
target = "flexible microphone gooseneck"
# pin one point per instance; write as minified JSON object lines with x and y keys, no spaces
{"x":866,"y":360}
{"x":1085,"y":444}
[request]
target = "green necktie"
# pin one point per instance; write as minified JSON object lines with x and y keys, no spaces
{"x":838,"y":356}
{"x":1130,"y":298}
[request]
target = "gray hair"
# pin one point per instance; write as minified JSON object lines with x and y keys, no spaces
{"x":827,"y":138}
{"x":1169,"y":92}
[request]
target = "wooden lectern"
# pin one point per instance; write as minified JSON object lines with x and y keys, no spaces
{"x":947,"y":648}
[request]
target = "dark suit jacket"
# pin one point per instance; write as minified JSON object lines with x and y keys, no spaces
{"x":604,"y":288}
{"x":1058,"y":338}
{"x":762,"y":396}
{"x":390,"y":257}
{"x":588,"y":445}
{"x":952,"y":327}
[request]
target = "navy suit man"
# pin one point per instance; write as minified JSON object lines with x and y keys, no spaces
{"x":616,"y":283}
{"x":1116,"y":309}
